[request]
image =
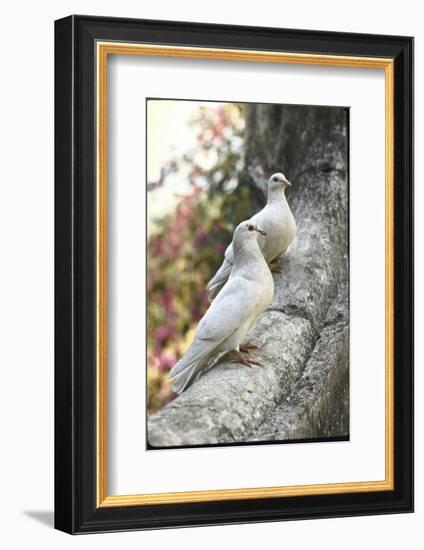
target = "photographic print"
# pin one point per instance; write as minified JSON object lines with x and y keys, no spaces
{"x":247,"y":273}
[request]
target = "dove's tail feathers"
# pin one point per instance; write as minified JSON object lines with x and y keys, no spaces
{"x":185,"y":378}
{"x":185,"y":371}
{"x":219,"y":279}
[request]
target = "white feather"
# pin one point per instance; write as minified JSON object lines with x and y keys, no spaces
{"x":244,"y":297}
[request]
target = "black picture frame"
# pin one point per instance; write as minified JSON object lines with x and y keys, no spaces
{"x":76,"y":509}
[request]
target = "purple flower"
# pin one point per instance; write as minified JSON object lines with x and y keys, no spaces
{"x":162,"y":333}
{"x":200,"y":238}
{"x":219,"y":248}
{"x":166,"y":361}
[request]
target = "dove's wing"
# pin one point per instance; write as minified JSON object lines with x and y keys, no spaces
{"x":231,"y":308}
{"x":221,"y":276}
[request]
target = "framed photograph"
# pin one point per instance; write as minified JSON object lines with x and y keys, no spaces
{"x":195,"y":200}
{"x":234,"y":274}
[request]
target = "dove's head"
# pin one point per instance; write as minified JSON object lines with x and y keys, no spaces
{"x":245,"y":241}
{"x":278,"y":182}
{"x":247,"y":231}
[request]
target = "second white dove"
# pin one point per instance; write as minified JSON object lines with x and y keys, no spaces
{"x":277,"y":221}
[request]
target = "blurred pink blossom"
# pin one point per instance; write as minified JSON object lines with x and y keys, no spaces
{"x":162,"y":333}
{"x":200,"y":238}
{"x":166,"y":361}
{"x":219,"y":248}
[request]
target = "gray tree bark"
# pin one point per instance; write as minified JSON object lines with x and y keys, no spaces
{"x":302,"y":390}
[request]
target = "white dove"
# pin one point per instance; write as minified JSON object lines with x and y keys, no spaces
{"x":245,"y":296}
{"x":277,"y":221}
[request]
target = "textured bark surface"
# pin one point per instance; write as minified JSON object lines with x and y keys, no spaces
{"x":302,"y":389}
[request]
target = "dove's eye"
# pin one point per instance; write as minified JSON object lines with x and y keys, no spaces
{"x":250,"y":227}
{"x":275,"y":178}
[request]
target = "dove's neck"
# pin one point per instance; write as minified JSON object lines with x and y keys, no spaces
{"x":247,"y":253}
{"x":277,"y":196}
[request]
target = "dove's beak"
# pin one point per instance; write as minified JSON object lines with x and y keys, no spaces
{"x":288,"y":184}
{"x":261,"y":231}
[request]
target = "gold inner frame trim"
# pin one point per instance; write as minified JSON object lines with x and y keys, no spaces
{"x":104,"y":49}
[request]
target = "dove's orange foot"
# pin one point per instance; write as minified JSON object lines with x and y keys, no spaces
{"x":245,"y":348}
{"x":275,"y":268}
{"x":238,"y":358}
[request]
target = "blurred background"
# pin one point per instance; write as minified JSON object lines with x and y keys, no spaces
{"x":197,"y":194}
